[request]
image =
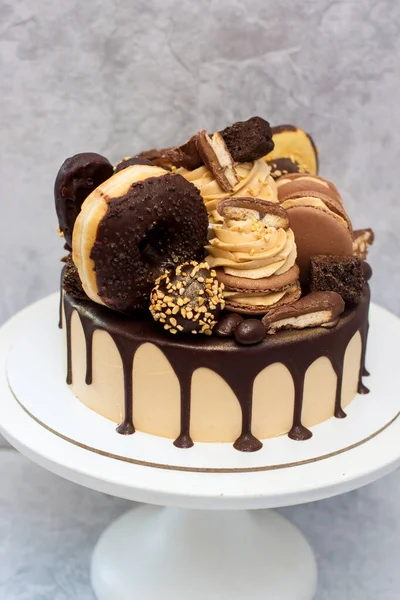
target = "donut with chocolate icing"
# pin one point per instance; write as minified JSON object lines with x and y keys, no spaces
{"x":131,"y":229}
{"x":78,"y":176}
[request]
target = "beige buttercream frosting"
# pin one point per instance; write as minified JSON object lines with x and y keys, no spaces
{"x":255,"y":181}
{"x":247,"y":248}
{"x":253,"y":299}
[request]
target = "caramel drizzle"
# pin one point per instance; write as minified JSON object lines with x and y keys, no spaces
{"x":227,"y":366}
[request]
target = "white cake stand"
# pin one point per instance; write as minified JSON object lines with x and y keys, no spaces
{"x":154,"y":553}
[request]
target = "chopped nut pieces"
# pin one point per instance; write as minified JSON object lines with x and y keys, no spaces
{"x":217,"y":159}
{"x":198,"y":310}
{"x":284,"y":166}
{"x":362,"y":240}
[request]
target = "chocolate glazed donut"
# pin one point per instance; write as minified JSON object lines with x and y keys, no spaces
{"x":159,"y":223}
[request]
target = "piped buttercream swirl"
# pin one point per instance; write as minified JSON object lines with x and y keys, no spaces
{"x":247,"y":248}
{"x":255,"y":181}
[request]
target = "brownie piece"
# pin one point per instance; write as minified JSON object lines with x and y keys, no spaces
{"x":71,"y":283}
{"x":248,"y":140}
{"x":341,"y":274}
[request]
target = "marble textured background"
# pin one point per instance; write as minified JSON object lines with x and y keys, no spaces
{"x":118,"y":76}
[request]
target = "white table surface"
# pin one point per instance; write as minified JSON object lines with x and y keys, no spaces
{"x":48,"y":527}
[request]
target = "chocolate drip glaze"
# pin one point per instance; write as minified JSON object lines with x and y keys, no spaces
{"x":237,"y":365}
{"x":298,"y":431}
{"x":185,"y":381}
{"x":362,"y":389}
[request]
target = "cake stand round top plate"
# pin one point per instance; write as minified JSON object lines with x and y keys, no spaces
{"x":45,"y":427}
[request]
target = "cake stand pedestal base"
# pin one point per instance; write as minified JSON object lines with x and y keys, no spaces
{"x":158,"y":553}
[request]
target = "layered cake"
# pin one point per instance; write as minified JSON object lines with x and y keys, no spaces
{"x":214,"y":291}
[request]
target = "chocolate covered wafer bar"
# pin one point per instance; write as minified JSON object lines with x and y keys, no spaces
{"x":317,"y":309}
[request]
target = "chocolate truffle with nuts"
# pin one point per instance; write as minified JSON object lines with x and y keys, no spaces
{"x":187,"y":299}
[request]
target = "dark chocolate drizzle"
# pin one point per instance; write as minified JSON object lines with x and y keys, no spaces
{"x":362,"y":389}
{"x":237,"y":365}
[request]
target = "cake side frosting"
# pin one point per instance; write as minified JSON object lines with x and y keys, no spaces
{"x":238,"y":366}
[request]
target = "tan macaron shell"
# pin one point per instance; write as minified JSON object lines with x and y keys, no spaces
{"x":294,"y":143}
{"x":293,"y":293}
{"x":93,"y":210}
{"x":274,"y":283}
{"x":294,"y":182}
{"x":316,"y":230}
{"x":268,"y":285}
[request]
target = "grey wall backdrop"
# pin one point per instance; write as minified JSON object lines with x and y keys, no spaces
{"x":115,"y":77}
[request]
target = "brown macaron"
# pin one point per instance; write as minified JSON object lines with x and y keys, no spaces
{"x":258,"y":296}
{"x":317,"y":218}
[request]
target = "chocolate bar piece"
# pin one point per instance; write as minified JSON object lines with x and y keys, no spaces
{"x":269,"y":213}
{"x":217,"y":159}
{"x":317,"y":309}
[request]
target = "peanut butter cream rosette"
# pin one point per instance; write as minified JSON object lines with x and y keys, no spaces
{"x":254,"y":252}
{"x":255,"y":181}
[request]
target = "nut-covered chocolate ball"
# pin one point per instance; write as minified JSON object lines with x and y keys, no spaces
{"x":250,"y":331}
{"x":188,"y":299}
{"x":227,"y":325}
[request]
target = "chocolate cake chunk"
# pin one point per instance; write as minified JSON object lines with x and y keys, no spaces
{"x":71,"y":283}
{"x":341,"y":274}
{"x":248,"y":140}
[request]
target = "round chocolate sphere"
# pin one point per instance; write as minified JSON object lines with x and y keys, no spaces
{"x":250,"y":331}
{"x":227,"y":325}
{"x":187,"y":299}
{"x":366,"y":270}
